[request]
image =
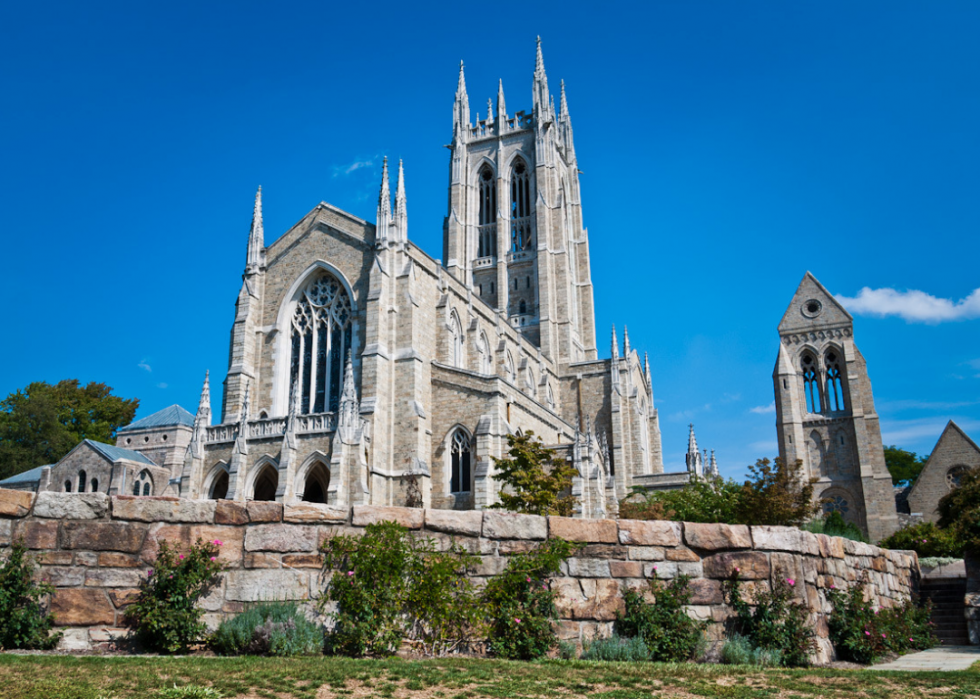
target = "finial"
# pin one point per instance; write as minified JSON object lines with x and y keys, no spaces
{"x":256,"y":236}
{"x":615,"y":343}
{"x":461,"y":108}
{"x":383,"y":220}
{"x":539,"y":60}
{"x":490,"y":111}
{"x":203,"y":416}
{"x":626,"y":341}
{"x":401,"y":211}
{"x":646,"y":366}
{"x":501,"y":104}
{"x":564,"y":102}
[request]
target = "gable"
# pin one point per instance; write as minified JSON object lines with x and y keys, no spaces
{"x":813,"y":308}
{"x":954,"y":448}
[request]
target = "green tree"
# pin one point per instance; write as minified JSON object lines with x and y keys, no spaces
{"x":535,"y":482}
{"x":904,"y":465}
{"x":776,"y":494}
{"x":42,"y":422}
{"x":701,"y":500}
{"x":959,"y":511}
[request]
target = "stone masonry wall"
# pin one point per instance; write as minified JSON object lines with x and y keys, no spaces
{"x":95,"y":550}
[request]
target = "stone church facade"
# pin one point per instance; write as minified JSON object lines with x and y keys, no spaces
{"x":825,"y":411}
{"x":954,"y":454}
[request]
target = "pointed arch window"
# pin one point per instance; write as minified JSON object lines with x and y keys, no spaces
{"x":219,"y":487}
{"x":520,"y":207}
{"x":486,"y":358}
{"x":455,"y":341}
{"x":811,"y":383}
{"x":321,"y":338}
{"x":835,"y":384}
{"x":143,"y":485}
{"x":459,"y":453}
{"x":509,"y":371}
{"x":487,"y":228}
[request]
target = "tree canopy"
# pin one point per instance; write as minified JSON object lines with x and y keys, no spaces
{"x":535,"y":481}
{"x":904,"y":465}
{"x":42,"y":422}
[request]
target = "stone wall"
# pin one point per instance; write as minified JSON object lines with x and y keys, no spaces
{"x":95,"y":549}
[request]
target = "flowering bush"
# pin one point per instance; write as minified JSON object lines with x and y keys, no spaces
{"x":862,"y":634}
{"x":23,"y":621}
{"x":927,"y":540}
{"x":667,"y":630}
{"x":775,"y":622}
{"x":520,"y":603}
{"x":389,"y":585}
{"x":165,"y":615}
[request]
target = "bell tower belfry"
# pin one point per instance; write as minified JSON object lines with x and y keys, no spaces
{"x":825,"y":411}
{"x":514,"y":232}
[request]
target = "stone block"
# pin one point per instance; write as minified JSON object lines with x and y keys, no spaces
{"x":664,"y":570}
{"x":682,"y":554}
{"x":6,"y":531}
{"x":607,"y":551}
{"x":601,"y":531}
{"x":81,"y":606}
{"x":626,"y":569}
{"x":36,"y":535}
{"x":52,"y":505}
{"x":507,"y":525}
{"x":54,"y":558}
{"x":183,"y":536}
{"x":264,"y":585}
{"x":74,"y":640}
{"x":705,"y":591}
{"x":509,"y":547}
{"x":262,"y":511}
{"x":587,"y":568}
{"x":123,"y":598}
{"x":490,"y":565}
{"x":690,"y":569}
{"x":103,"y":536}
{"x":230,"y":512}
{"x":113,"y":577}
{"x":86,"y":558}
{"x":768,"y":538}
{"x":646,"y":553}
{"x":714,"y":537}
{"x":408,"y":517}
{"x":63,"y":576}
{"x":262,"y":560}
{"x":281,"y":538}
{"x":302,"y":560}
{"x":118,"y":560}
{"x":163,"y":509}
{"x":656,"y":533}
{"x":314,"y":512}
{"x":751,"y":565}
{"x":858,"y":548}
{"x":15,"y":503}
{"x":466,"y":523}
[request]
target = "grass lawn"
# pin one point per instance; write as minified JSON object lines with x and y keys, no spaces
{"x":67,"y":677}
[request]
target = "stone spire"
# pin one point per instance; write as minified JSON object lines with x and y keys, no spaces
{"x":461,"y":108}
{"x":203,"y":417}
{"x":615,"y":344}
{"x":646,"y":369}
{"x":501,"y":104}
{"x":564,"y":103}
{"x":693,"y":458}
{"x":401,"y":213}
{"x":348,"y":417}
{"x":253,"y":261}
{"x":626,"y":341}
{"x":383,"y":220}
{"x":713,"y":466}
{"x":542,"y":100}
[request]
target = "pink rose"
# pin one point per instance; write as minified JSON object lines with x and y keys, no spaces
{"x":350,"y":572}
{"x":213,"y":558}
{"x":181,"y":556}
{"x":791,"y":581}
{"x":867,"y":633}
{"x":517,"y":620}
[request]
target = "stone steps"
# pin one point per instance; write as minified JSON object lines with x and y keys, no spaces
{"x":948,"y":616}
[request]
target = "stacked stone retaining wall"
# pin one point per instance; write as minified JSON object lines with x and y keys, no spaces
{"x":95,"y":550}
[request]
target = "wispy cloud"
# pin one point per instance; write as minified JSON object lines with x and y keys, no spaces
{"x":689,"y":414}
{"x":349,"y":168}
{"x":144,"y":365}
{"x":895,"y":406}
{"x":907,"y":432}
{"x":912,"y":305}
{"x":161,"y":385}
{"x":765,"y":448}
{"x":764,"y":409}
{"x":730,"y":398}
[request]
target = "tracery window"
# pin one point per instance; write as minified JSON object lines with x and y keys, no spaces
{"x":954,"y":475}
{"x":835,"y":503}
{"x":321,"y":339}
{"x":835,"y":387}
{"x":811,"y":383}
{"x":455,"y":341}
{"x":520,"y":207}
{"x":143,"y":485}
{"x":487,"y":230}
{"x":459,"y":450}
{"x":486,"y":359}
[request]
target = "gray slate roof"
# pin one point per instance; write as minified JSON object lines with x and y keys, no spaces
{"x":32,"y":475}
{"x":168,"y":417}
{"x":116,"y":453}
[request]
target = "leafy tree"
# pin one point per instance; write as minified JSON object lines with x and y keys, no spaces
{"x":702,"y":500}
{"x":904,"y":465}
{"x":959,"y":511}
{"x":776,"y":494}
{"x":536,"y":483}
{"x":42,"y":422}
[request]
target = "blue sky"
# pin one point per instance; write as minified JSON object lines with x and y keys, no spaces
{"x":726,"y":148}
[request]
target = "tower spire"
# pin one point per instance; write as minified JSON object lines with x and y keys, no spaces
{"x":461,"y":108}
{"x":401,"y":213}
{"x":646,"y":369}
{"x":693,"y":458}
{"x":383,"y":220}
{"x":203,"y":417}
{"x":626,"y":341}
{"x":542,"y":101}
{"x":501,"y":104}
{"x":564,"y":102}
{"x":256,"y":236}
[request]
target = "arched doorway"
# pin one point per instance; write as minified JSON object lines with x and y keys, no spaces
{"x":317,"y":483}
{"x":266,"y":484}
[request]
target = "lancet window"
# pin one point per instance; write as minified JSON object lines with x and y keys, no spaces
{"x":520,"y":207}
{"x":143,"y":485}
{"x":509,"y":371}
{"x":811,"y":384}
{"x":487,"y":230}
{"x":455,"y":341}
{"x":486,"y":359}
{"x":321,"y":338}
{"x":81,"y":481}
{"x":835,"y":387}
{"x":459,"y":452}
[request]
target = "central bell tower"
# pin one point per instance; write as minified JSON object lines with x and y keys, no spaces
{"x":514,"y":233}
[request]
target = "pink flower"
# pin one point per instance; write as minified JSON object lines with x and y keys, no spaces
{"x":867,"y":633}
{"x":149,"y":572}
{"x":737,"y":570}
{"x":832,"y":586}
{"x":181,"y":557}
{"x":791,"y":581}
{"x":216,"y":542}
{"x":883,"y":635}
{"x":529,"y":579}
{"x":213,"y":558}
{"x":350,"y":572}
{"x":517,"y":620}
{"x":911,"y":640}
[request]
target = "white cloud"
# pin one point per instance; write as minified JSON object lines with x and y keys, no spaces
{"x":161,"y":385}
{"x":909,"y":404}
{"x":339,"y":170}
{"x":143,"y":365}
{"x":906,"y":433}
{"x":764,"y":409}
{"x":912,"y":305}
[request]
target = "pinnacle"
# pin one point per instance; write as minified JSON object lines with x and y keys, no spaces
{"x":564,"y":101}
{"x":539,"y":60}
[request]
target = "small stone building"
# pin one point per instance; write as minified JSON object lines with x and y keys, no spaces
{"x":954,"y":454}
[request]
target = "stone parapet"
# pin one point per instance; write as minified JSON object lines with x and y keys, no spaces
{"x":94,"y":550}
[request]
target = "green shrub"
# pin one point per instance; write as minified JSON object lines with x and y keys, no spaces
{"x":617,"y":649}
{"x":567,"y":650}
{"x":520,"y":604}
{"x":775,"y":622}
{"x":926,"y":539}
{"x":835,"y":525}
{"x":23,"y":621}
{"x":959,"y":511}
{"x":702,"y":500}
{"x":738,"y":650}
{"x":275,"y":628}
{"x":668,"y":632}
{"x":389,"y":585}
{"x":533,"y":479}
{"x":862,"y":634}
{"x":165,"y":615}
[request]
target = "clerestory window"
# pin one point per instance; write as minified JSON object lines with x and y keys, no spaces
{"x":520,"y":207}
{"x":321,"y":339}
{"x":487,"y":229}
{"x":459,"y":448}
